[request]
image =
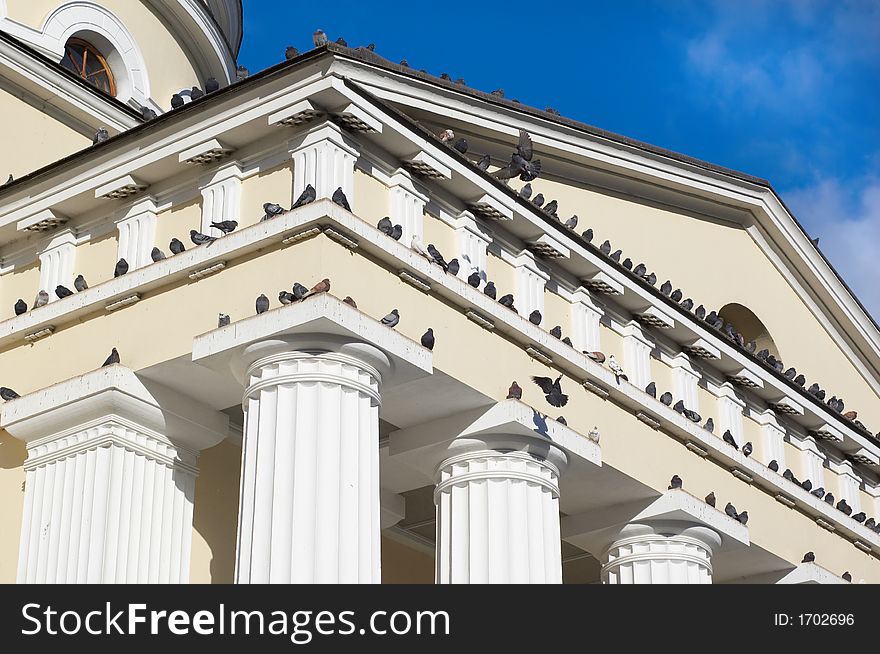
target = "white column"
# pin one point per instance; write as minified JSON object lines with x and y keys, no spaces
{"x":848,"y":485}
{"x":221,"y":197}
{"x":530,"y":283}
{"x":309,"y":504}
{"x":772,"y":440}
{"x":498,"y":515}
{"x":110,"y":479}
{"x":57,"y":262}
{"x":661,"y":553}
{"x":137,"y":233}
{"x":406,"y":206}
{"x":585,"y":316}
{"x":813,"y":460}
{"x":637,"y":354}
{"x":685,"y":379}
{"x":324,"y":157}
{"x":730,"y":412}
{"x":473,"y":244}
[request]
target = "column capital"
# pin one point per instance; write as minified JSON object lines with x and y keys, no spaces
{"x":326,"y":131}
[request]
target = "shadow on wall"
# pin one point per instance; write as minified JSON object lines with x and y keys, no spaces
{"x":12,"y":452}
{"x":215,"y":513}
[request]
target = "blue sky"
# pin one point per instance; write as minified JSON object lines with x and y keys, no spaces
{"x":788,"y":90}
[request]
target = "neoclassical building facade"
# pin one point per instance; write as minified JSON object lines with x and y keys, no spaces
{"x":702,"y":438}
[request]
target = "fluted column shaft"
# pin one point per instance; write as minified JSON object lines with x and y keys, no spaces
{"x":309,"y":506}
{"x":107,"y":502}
{"x":498,"y":518}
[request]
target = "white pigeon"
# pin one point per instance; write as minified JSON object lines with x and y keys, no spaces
{"x":416,"y":245}
{"x":616,"y":369}
{"x":594,"y":434}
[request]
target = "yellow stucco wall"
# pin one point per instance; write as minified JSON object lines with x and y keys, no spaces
{"x":32,"y":139}
{"x":12,"y":455}
{"x":22,"y":283}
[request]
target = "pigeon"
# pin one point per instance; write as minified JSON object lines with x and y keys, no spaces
{"x":538,"y":200}
{"x":535,"y":317}
{"x":751,"y":346}
{"x":640,"y":270}
{"x":743,"y":517}
{"x":666,"y":398}
{"x":556,"y":332}
{"x":615,"y":256}
{"x":306,"y":197}
{"x":846,"y":576}
{"x":829,"y":498}
{"x":567,"y":341}
{"x":818,"y":492}
{"x":790,"y":373}
{"x":437,"y":257}
{"x":176,"y":246}
{"x":200,"y":239}
{"x":651,"y":389}
{"x":807,"y":485}
{"x":416,"y":245}
{"x":627,"y":263}
{"x":870,"y":523}
{"x":121,"y":268}
{"x":211,"y":85}
{"x":687,"y":304}
{"x":222,"y":320}
{"x":676,"y":295}
{"x":678,"y":407}
{"x":321,"y":287}
{"x":286,"y":297}
{"x":666,"y":288}
{"x":385,"y":226}
{"x":800,"y":380}
{"x":693,"y":416}
{"x":7,"y":394}
{"x":339,"y":198}
{"x":490,"y":290}
{"x":20,"y":307}
{"x":506,"y":301}
{"x":727,"y":437}
{"x":675,"y":482}
{"x":446,"y":136}
{"x":773,"y":465}
{"x":860,"y":516}
{"x":851,"y":415}
{"x":700,"y":312}
{"x":62,"y":292}
{"x":148,"y":114}
{"x":551,"y":207}
{"x":461,"y":145}
{"x":41,"y":300}
{"x":843,"y":506}
{"x":730,"y":510}
{"x":100,"y":136}
{"x":225,"y":226}
{"x":404,"y":63}
{"x":598,"y":357}
{"x":710,"y":425}
{"x":445,"y":76}
{"x":474,"y":279}
{"x":291,"y":53}
{"x":617,"y":369}
{"x":342,"y":42}
{"x":156,"y":255}
{"x":562,"y":421}
{"x":262,"y":304}
{"x":514,"y":392}
{"x":809,"y":557}
{"x":747,"y":449}
{"x":112,"y":359}
{"x":650,"y":278}
{"x":483,"y":163}
{"x":195,"y":93}
{"x":710,"y":499}
{"x":428,"y":339}
{"x":605,"y":248}
{"x":319,"y":38}
{"x":521,"y":163}
{"x":498,"y":93}
{"x":587,"y":235}
{"x":453,"y":267}
{"x":552,"y":390}
{"x":391,"y":319}
{"x":300,"y":292}
{"x":526,"y":191}
{"x":593,"y":434}
{"x":397,"y":232}
{"x":177,"y":101}
{"x":788,"y":474}
{"x":572,"y":222}
{"x":242,"y":73}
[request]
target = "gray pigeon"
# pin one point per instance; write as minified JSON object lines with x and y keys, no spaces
{"x":112,"y":359}
{"x":490,"y":290}
{"x":176,"y":246}
{"x":535,"y":317}
{"x":121,"y":268}
{"x":676,"y":295}
{"x":7,"y":394}
{"x":391,"y":319}
{"x":397,"y":232}
{"x":101,"y":135}
{"x":710,"y":499}
{"x":20,"y":307}
{"x":157,"y":255}
{"x":80,"y":283}
{"x":461,"y":145}
{"x":809,"y":557}
{"x":385,"y":226}
{"x":428,"y":339}
{"x":666,"y":287}
{"x":286,"y":297}
{"x":195,"y":93}
{"x":340,"y":199}
{"x":743,"y":517}
{"x":538,"y":200}
{"x":728,"y":438}
{"x":201,"y":239}
{"x":678,"y":407}
{"x":211,"y":85}
{"x":299,"y":291}
{"x":437,"y":257}
{"x":587,"y":235}
{"x":148,"y":114}
{"x":521,"y":164}
{"x":270,"y":210}
{"x":572,"y":222}
{"x":526,"y":191}
{"x":615,"y":256}
{"x":474,"y":279}
{"x":627,"y":263}
{"x":747,"y":449}
{"x":262,"y":304}
{"x":666,"y":398}
{"x":223,"y":320}
{"x":319,"y":38}
{"x":651,"y":278}
{"x":306,"y":197}
{"x":687,"y":304}
{"x":605,"y":248}
{"x":177,"y":101}
{"x":556,"y":332}
{"x":552,"y":390}
{"x":242,"y":73}
{"x":651,"y":389}
{"x":730,"y":510}
{"x":675,"y":482}
{"x":700,"y":312}
{"x":551,"y":207}
{"x":225,"y":226}
{"x":506,"y":301}
{"x":453,"y":267}
{"x":62,"y":292}
{"x":773,"y":465}
{"x":483,"y":163}
{"x":710,"y":425}
{"x":41,"y":300}
{"x":291,"y":53}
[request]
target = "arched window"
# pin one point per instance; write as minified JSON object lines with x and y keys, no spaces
{"x":85,"y":60}
{"x":751,"y":328}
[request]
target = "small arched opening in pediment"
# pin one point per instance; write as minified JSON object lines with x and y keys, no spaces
{"x":750,"y":326}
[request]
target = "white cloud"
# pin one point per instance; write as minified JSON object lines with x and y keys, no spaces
{"x":846,"y":217}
